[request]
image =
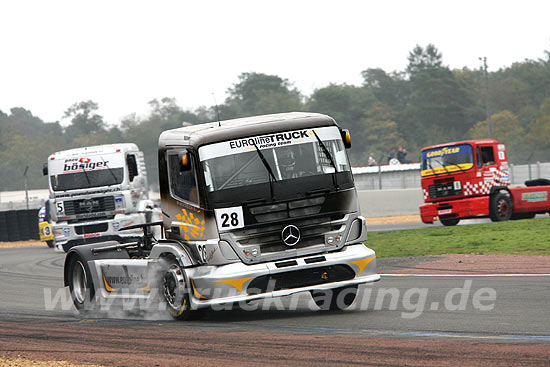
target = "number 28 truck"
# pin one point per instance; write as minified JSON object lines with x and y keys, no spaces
{"x":252,"y":208}
{"x":471,"y":179}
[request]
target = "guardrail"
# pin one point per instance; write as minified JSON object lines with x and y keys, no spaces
{"x":19,"y":225}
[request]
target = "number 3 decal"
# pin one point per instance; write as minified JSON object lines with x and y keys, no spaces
{"x":229,"y":218}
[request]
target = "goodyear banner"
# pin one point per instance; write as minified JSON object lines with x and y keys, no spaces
{"x":447,"y":159}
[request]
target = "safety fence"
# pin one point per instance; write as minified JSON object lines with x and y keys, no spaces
{"x":19,"y":225}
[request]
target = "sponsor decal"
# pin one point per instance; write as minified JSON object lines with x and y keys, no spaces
{"x":192,"y":227}
{"x":82,"y":164}
{"x":90,"y":235}
{"x":116,"y":226}
{"x":444,"y":212}
{"x":268,"y":141}
{"x":534,"y":197}
{"x":67,"y":231}
{"x":442,"y":152}
{"x":271,"y":140}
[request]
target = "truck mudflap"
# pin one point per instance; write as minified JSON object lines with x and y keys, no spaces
{"x":216,"y":285}
{"x":464,"y":208}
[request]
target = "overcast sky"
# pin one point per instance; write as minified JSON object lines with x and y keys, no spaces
{"x":122,"y":54}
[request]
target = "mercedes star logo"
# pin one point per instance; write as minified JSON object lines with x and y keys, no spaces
{"x":290,"y":235}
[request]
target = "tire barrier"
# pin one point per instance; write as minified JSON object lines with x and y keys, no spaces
{"x":19,"y":225}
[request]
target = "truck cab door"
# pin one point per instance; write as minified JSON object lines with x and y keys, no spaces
{"x":488,"y":164}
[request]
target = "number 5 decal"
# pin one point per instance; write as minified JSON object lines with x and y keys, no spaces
{"x":229,"y":218}
{"x":60,"y":208}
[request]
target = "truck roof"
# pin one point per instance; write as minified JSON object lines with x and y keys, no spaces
{"x":96,"y":149}
{"x":474,"y":141}
{"x":213,"y":132}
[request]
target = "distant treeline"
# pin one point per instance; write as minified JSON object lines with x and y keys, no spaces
{"x":425,"y":104}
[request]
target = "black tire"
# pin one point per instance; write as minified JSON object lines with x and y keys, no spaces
{"x":516,"y":216}
{"x":500,"y":207}
{"x":335,"y":299}
{"x":175,"y":292}
{"x":81,"y":285}
{"x":449,"y":221}
{"x":50,"y":243}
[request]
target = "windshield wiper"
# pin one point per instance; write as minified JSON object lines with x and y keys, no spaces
{"x":86,"y":176}
{"x":110,"y":171}
{"x":430,"y":165}
{"x":329,"y":156}
{"x":268,"y":168}
{"x":442,"y":166}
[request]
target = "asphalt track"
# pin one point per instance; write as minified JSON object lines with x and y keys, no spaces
{"x":413,"y":320}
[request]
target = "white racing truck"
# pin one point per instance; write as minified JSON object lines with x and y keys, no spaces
{"x":94,"y":191}
{"x":252,"y":208}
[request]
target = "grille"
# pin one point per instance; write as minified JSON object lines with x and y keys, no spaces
{"x":86,"y":206}
{"x":300,"y":278}
{"x":268,"y":236}
{"x":293,"y":209}
{"x":92,"y":228}
{"x":443,"y":189}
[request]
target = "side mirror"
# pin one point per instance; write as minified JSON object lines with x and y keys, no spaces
{"x":45,"y":169}
{"x":185,"y":161}
{"x":346,"y":137}
{"x":132,"y":166}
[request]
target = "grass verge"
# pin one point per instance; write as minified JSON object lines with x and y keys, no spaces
{"x":519,"y":237}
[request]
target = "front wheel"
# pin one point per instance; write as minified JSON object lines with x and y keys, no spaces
{"x":50,"y":243}
{"x":175,"y":292}
{"x":81,"y":285}
{"x":450,"y":221}
{"x":500,"y":207}
{"x":335,"y":299}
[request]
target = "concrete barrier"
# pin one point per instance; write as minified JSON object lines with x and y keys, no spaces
{"x":385,"y":203}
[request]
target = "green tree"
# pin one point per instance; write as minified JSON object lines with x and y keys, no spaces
{"x":347,"y":105}
{"x":381,"y":134}
{"x":540,"y":131}
{"x":84,"y":119}
{"x":422,"y":59}
{"x":439,"y":103}
{"x":505,"y":128}
{"x":257,"y":94}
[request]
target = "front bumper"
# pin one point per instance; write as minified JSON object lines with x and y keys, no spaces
{"x":463,"y":208}
{"x":67,"y":236}
{"x":233,"y":283}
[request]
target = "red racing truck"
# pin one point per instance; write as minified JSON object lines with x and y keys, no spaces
{"x":471,"y":179}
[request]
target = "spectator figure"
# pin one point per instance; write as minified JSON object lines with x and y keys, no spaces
{"x":401,"y":154}
{"x":372,"y":161}
{"x":391,"y":155}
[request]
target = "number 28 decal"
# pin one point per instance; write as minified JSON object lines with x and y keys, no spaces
{"x":229,"y":218}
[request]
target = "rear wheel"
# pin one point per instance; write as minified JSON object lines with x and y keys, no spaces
{"x":175,"y":292}
{"x":449,"y":221}
{"x":335,"y":299}
{"x":500,"y":207}
{"x":80,"y":284}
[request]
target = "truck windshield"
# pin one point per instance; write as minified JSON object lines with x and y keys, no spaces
{"x":447,"y":159}
{"x":289,"y":155}
{"x":86,"y":171}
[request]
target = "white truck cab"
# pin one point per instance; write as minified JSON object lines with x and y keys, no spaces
{"x":95,"y":191}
